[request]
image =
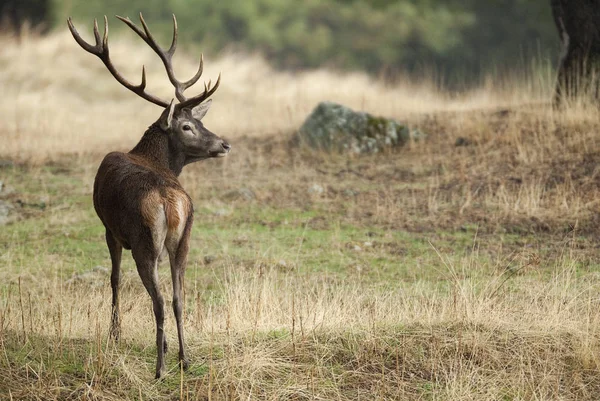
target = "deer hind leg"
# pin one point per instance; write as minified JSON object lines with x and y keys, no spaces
{"x":116,"y":251}
{"x":178,"y":247}
{"x":146,"y":253}
{"x":147,"y":266}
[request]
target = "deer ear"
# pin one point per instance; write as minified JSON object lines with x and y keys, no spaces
{"x":200,"y":111}
{"x":167,"y":116}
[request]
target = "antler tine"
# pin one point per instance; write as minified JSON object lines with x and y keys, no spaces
{"x":174,"y":41}
{"x":85,"y":45}
{"x":147,"y":37}
{"x":201,"y":97}
{"x":105,"y":37}
{"x":152,"y":42}
{"x":97,"y":34}
{"x":196,"y":77}
{"x":166,"y":56}
{"x":143,"y":83}
{"x":100,"y":49}
{"x":180,"y":87}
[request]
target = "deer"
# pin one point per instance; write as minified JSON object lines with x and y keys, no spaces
{"x":137,"y":195}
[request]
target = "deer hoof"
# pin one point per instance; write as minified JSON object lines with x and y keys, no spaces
{"x":160,"y":374}
{"x":115,"y":334}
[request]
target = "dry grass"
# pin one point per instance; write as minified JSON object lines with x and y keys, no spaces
{"x":435,"y":272}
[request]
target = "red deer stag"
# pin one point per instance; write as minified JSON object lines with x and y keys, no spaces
{"x":137,"y":195}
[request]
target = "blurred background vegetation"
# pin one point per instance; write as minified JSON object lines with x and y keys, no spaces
{"x":452,"y":41}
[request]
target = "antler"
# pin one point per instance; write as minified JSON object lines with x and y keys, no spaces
{"x":101,"y":50}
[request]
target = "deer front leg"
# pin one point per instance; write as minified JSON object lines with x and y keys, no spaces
{"x":116,"y":250}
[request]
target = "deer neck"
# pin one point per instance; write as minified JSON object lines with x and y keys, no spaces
{"x":156,"y":147}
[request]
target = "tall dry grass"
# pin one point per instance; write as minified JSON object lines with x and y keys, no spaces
{"x":60,"y":99}
{"x":270,"y":336}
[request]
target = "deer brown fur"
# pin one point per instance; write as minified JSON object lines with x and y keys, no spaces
{"x":137,"y":195}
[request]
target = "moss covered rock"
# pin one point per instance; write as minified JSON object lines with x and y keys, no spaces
{"x":333,"y":127}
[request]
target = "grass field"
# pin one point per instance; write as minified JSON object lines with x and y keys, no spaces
{"x":434,"y":272}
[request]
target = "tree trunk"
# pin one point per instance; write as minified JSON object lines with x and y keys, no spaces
{"x":578,"y":23}
{"x":14,"y":14}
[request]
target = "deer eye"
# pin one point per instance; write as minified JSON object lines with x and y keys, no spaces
{"x":186,"y":127}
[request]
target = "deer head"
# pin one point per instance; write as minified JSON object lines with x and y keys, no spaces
{"x":188,"y":135}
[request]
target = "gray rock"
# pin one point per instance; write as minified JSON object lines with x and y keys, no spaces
{"x":333,"y":127}
{"x":316,"y":189}
{"x":6,"y":163}
{"x":7,"y":212}
{"x":222,"y":212}
{"x":350,"y":193}
{"x":5,"y":190}
{"x":284,"y":266}
{"x":239,"y":194}
{"x":93,"y":278}
{"x":100,"y":269}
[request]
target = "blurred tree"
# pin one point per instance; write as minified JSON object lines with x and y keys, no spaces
{"x":578,"y":24}
{"x":15,"y":13}
{"x":449,"y":37}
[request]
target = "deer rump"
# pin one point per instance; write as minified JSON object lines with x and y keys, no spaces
{"x":144,"y":208}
